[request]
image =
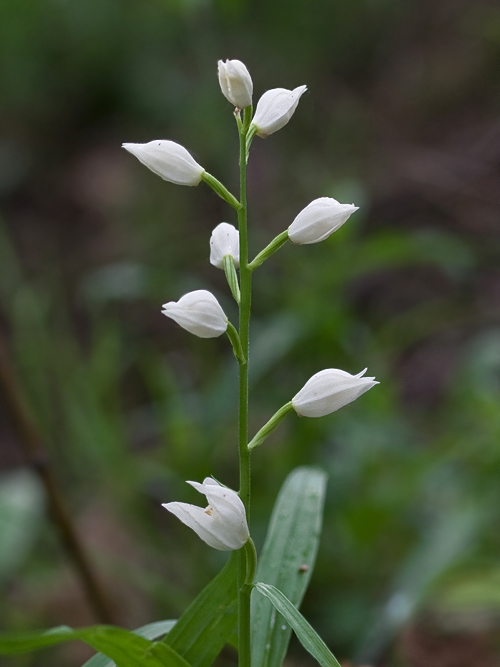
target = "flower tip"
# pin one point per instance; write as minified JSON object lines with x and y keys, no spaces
{"x":131,"y":148}
{"x":166,"y":307}
{"x":196,"y":485}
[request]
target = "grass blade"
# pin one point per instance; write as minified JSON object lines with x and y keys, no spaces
{"x":307,"y":636}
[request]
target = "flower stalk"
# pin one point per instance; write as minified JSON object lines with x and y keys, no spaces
{"x":270,"y":426}
{"x":221,"y":190}
{"x":244,"y":454}
{"x":269,"y":250}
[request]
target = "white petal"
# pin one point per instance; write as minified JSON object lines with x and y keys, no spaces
{"x":169,"y":160}
{"x":329,"y":390}
{"x":205,"y":525}
{"x":319,"y":219}
{"x":225,"y":240}
{"x":275,"y":108}
{"x":228,"y":504}
{"x":223,"y":523}
{"x":198,"y":312}
{"x":236,"y":83}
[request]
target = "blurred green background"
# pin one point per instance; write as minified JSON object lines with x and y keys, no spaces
{"x":402,"y":119}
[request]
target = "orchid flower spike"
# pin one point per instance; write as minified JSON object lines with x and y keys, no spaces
{"x":274,"y":110}
{"x":169,"y":160}
{"x":225,"y":240}
{"x":198,"y":312}
{"x":236,"y":83}
{"x":330,"y":390}
{"x":223,"y":524}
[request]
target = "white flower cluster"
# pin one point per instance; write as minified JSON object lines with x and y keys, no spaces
{"x":223,"y":523}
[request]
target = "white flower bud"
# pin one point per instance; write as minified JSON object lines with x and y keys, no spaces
{"x":225,"y":240}
{"x":275,"y":108}
{"x":198,"y":312}
{"x":169,"y":160}
{"x":318,"y":220}
{"x":223,"y":524}
{"x":329,"y":390}
{"x":236,"y":83}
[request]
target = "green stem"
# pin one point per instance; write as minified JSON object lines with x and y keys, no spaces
{"x":269,"y":427}
{"x":269,"y":250}
{"x":251,"y":554}
{"x":244,"y":454}
{"x":221,"y":190}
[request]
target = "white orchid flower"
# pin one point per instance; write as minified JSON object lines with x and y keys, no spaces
{"x":198,"y":312}
{"x":223,"y":524}
{"x":330,"y":390}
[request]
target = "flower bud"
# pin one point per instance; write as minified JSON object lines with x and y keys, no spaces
{"x":329,"y":390}
{"x":198,"y":312}
{"x":223,"y":524}
{"x":225,"y":240}
{"x":169,"y":160}
{"x":318,"y":220}
{"x":274,"y":109}
{"x":236,"y":83}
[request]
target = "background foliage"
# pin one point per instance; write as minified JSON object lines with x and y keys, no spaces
{"x":402,"y":119}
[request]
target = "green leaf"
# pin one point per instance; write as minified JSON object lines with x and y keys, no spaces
{"x":287,"y":560}
{"x":307,"y":636}
{"x":125,"y":648}
{"x":201,"y":632}
{"x":149,"y":631}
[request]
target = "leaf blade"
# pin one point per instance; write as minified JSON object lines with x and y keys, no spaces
{"x":204,"y":628}
{"x":287,"y":559}
{"x":306,"y":634}
{"x":150,"y":631}
{"x":123,"y":647}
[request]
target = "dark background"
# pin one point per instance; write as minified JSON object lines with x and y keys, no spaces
{"x":401,"y":118}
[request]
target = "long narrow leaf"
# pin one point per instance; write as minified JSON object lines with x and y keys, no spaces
{"x":125,"y":648}
{"x":201,"y":632}
{"x":149,"y":631}
{"x":287,"y":560}
{"x":307,"y":636}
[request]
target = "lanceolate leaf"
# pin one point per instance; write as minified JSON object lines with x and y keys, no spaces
{"x":201,"y":632}
{"x":307,"y":636}
{"x":287,"y":560}
{"x":150,"y":631}
{"x":125,"y":648}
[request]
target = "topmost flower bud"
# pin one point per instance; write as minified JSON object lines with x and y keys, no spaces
{"x":169,"y":160}
{"x":236,"y":83}
{"x":274,"y":109}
